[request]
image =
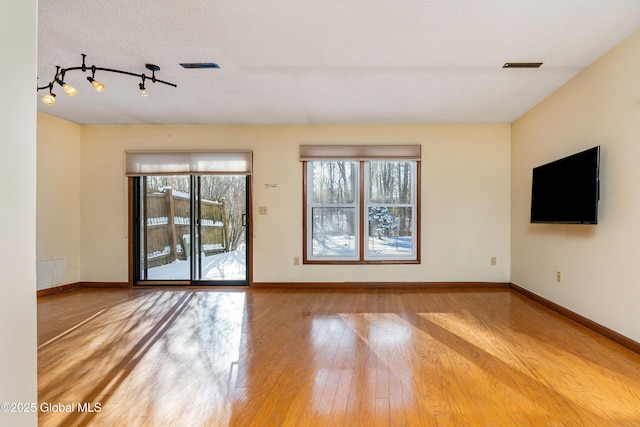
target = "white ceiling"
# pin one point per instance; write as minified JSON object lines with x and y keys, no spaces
{"x":328,"y":61}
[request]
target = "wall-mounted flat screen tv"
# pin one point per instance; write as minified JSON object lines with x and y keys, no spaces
{"x":567,"y":190}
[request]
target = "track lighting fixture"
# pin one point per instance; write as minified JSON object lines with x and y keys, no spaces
{"x":49,"y":98}
{"x":143,"y":91}
{"x":68,"y":89}
{"x":99,"y":87}
{"x":59,"y":78}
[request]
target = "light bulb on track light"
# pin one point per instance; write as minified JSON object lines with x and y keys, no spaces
{"x":49,"y":98}
{"x":69,"y":90}
{"x":99,"y":87}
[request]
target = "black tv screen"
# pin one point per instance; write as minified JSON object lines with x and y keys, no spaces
{"x":566,"y":191}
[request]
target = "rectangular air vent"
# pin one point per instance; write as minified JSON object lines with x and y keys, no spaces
{"x":522,"y":65}
{"x":199,"y":65}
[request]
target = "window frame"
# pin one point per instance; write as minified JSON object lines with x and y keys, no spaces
{"x":367,"y":204}
{"x":362,"y":228}
{"x":355,"y":205}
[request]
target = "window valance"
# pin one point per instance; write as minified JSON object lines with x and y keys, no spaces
{"x":360,"y":152}
{"x":138,"y":163}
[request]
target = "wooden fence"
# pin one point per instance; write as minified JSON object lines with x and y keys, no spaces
{"x":168,"y":219}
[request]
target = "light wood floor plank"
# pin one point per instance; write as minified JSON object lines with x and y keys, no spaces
{"x":407,"y":357}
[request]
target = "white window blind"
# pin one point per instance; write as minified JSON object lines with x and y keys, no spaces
{"x":139,"y":163}
{"x":360,"y":152}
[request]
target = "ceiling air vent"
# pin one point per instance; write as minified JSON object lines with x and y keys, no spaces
{"x":190,"y":65}
{"x":522,"y":65}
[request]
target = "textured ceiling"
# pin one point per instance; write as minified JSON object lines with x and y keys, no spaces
{"x":329,"y":61}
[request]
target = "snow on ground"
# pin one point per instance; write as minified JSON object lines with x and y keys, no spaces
{"x":345,"y":245}
{"x":334,"y":245}
{"x":389,"y":245}
{"x":224,"y":266}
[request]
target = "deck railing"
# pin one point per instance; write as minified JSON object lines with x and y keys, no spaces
{"x":166,"y":221}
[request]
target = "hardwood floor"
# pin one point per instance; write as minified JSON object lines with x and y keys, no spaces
{"x":193,"y":357}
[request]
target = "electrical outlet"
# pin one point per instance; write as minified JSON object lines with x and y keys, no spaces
{"x":296,"y":260}
{"x":494,"y":260}
{"x":559,"y":276}
{"x":262,"y":210}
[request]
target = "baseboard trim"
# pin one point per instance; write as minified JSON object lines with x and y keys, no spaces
{"x":376,"y":285}
{"x":587,"y":323}
{"x":78,"y":285}
{"x":57,"y":289}
{"x":104,"y":285}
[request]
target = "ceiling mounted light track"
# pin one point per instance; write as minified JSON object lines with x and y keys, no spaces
{"x":59,"y":78}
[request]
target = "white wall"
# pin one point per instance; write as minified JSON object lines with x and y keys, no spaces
{"x":58,"y":199}
{"x":17,"y":216}
{"x":599,"y":264}
{"x":465,"y":197}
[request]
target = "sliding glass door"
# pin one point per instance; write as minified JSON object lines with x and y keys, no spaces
{"x":191,"y":229}
{"x":222,"y":209}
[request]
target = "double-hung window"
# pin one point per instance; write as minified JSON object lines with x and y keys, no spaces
{"x":361,"y":204}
